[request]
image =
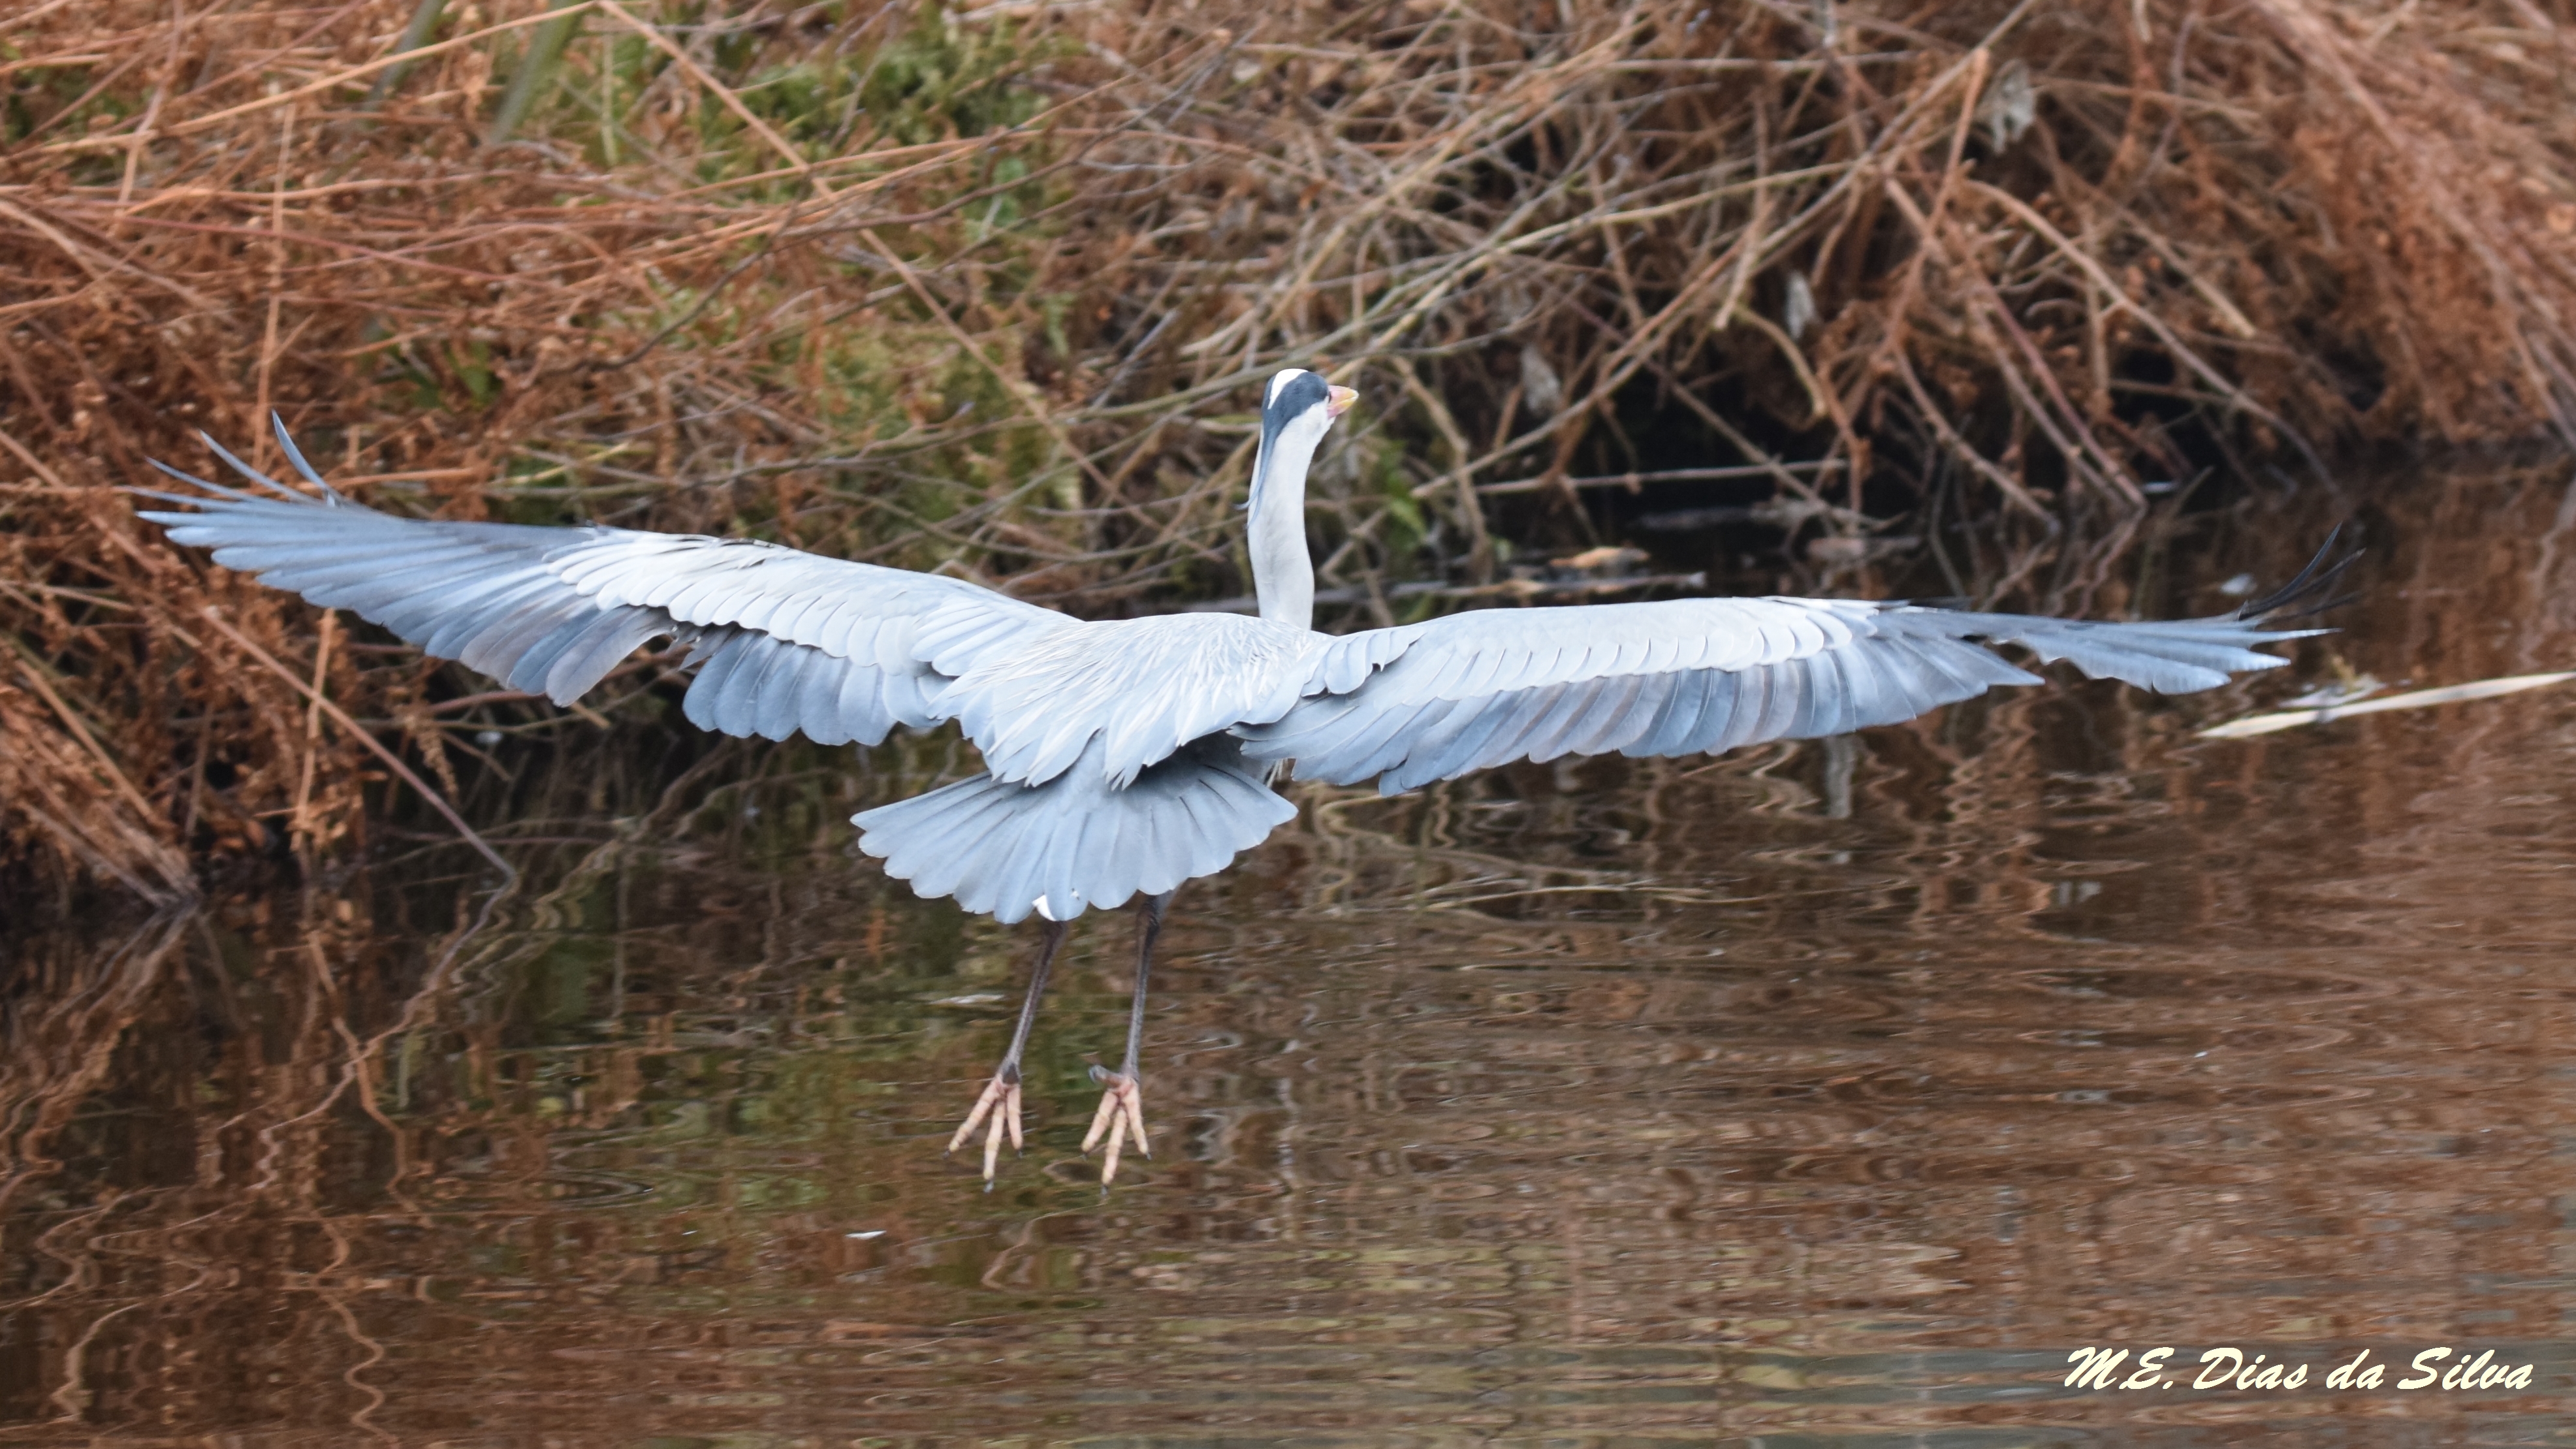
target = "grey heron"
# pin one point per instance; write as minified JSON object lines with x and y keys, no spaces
{"x":1124,"y":757}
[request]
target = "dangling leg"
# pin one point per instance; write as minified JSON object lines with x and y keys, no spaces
{"x":1122,"y":1107}
{"x":1002,"y":1095}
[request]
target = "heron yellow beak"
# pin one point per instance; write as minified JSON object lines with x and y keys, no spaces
{"x":1338,"y":400}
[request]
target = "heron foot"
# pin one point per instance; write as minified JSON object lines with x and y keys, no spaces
{"x":1001,"y":1101}
{"x":1121,"y":1118}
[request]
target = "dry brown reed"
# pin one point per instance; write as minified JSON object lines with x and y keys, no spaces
{"x":987,"y":288}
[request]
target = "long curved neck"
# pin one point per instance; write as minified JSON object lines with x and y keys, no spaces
{"x":1283,"y":573}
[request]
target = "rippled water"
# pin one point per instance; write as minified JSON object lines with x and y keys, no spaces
{"x":1826,"y":1092}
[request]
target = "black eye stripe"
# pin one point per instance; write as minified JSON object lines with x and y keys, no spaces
{"x":1293,"y":394}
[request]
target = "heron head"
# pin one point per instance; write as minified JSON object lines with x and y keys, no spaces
{"x":1296,"y":409}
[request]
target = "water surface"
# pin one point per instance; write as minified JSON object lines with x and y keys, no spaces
{"x":1828,"y":1092}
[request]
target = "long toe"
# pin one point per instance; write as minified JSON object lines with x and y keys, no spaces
{"x":993,"y":1093}
{"x":1006,"y":1117}
{"x":1121,"y":1119}
{"x":1134,"y":1101}
{"x":1101,"y":1121}
{"x":998,"y":1112}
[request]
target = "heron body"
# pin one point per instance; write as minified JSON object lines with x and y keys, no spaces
{"x":1122,"y":758}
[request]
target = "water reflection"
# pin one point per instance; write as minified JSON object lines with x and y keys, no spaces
{"x":1824,"y":1092}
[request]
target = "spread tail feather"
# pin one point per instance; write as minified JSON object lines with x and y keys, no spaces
{"x":1005,"y":849}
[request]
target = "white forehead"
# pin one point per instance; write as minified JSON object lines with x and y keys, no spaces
{"x":1270,"y":394}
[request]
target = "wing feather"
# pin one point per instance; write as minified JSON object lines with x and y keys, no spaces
{"x":1432,"y":701}
{"x":857,"y":706}
{"x":1619,"y":716}
{"x":1450,"y":746}
{"x":725,"y":653}
{"x":1723,"y":696}
{"x":1563,"y":712}
{"x":785,"y":640}
{"x":782,"y":692}
{"x":1515,"y":713}
{"x":1775,"y":694}
{"x":502,"y":611}
{"x":818,"y":701}
{"x":1679,"y":720}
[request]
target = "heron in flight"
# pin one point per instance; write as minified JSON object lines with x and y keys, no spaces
{"x":1124,"y":757}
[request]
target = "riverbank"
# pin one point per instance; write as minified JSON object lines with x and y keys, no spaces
{"x":990,"y":289}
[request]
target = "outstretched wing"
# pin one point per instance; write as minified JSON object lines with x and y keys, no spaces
{"x":1433,"y":701}
{"x":783,"y":641}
